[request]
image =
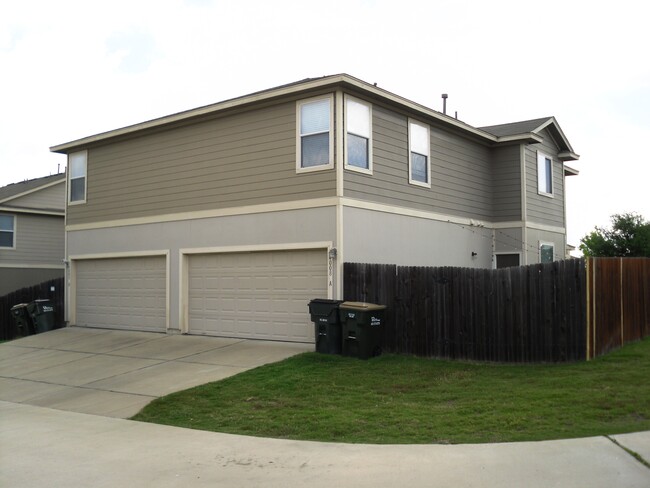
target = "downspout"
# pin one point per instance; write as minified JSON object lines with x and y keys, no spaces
{"x":338,"y":145}
{"x":524,"y":205}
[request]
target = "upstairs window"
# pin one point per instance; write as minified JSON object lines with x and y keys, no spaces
{"x":546,"y":252}
{"x":419,"y":158}
{"x":315,"y":145}
{"x":77,"y":166}
{"x":7,"y":231}
{"x":544,"y":174}
{"x":358,"y":131}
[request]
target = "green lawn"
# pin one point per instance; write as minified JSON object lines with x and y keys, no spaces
{"x":403,"y":399}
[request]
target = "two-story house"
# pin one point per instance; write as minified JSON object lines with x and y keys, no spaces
{"x":32,"y":214}
{"x":227,"y":219}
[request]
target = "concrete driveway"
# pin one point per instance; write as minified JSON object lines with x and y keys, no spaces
{"x":76,"y":371}
{"x":116,"y":373}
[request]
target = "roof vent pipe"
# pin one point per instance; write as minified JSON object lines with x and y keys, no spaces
{"x":444,"y":103}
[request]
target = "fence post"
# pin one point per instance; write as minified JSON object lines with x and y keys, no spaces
{"x":621,"y":297}
{"x":589,"y":292}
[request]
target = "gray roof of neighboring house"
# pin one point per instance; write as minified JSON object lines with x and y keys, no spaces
{"x":513,"y":128}
{"x":15,"y":189}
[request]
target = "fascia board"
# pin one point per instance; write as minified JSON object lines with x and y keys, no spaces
{"x":310,"y":85}
{"x":568,"y":156}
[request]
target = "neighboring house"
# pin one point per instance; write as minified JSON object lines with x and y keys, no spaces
{"x":32,"y":232}
{"x":227,"y":219}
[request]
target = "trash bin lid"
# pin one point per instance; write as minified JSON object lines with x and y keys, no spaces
{"x":362,"y":306}
{"x":327,"y":301}
{"x":19,"y":305}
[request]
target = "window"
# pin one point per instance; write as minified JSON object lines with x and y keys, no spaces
{"x":77,"y":167}
{"x":419,"y":163}
{"x":546,"y":252}
{"x":544,"y":174}
{"x":315,"y":145}
{"x":358,"y":141}
{"x":7,"y":231}
{"x":507,"y":260}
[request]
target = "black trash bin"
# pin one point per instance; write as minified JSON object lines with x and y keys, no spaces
{"x":327,"y":327}
{"x":23,"y":325}
{"x":42,"y":314}
{"x":362,"y":326}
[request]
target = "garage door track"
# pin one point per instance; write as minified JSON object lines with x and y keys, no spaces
{"x":116,"y":373}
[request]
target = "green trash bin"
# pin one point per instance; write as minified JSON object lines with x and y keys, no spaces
{"x":362,"y":326}
{"x":42,"y":314}
{"x":23,"y":325}
{"x":327,"y":326}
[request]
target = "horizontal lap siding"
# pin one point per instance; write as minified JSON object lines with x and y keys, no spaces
{"x":242,"y":159}
{"x":506,"y":179}
{"x":540,"y":208}
{"x":51,"y":198}
{"x":461,"y":182}
{"x":39,"y":240}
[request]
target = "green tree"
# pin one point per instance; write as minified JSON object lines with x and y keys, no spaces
{"x":628,"y":237}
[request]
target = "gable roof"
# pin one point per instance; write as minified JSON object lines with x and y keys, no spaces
{"x":305,"y":87}
{"x":535,"y":126}
{"x":14,"y":191}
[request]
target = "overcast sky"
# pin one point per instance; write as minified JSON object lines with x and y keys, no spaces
{"x":71,"y":69}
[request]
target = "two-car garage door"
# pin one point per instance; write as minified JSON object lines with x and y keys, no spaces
{"x":260,"y":295}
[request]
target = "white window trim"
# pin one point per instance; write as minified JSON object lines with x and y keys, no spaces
{"x":426,"y":184}
{"x":546,"y":243}
{"x":13,"y":243}
{"x":330,"y":164}
{"x":368,"y":170}
{"x":77,"y":202}
{"x":541,"y":165}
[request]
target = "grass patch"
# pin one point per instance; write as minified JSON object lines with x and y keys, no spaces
{"x":397,"y":399}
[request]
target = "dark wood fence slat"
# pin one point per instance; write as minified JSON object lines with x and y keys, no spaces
{"x":523,"y":314}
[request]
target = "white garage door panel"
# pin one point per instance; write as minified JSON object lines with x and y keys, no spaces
{"x":261,"y":295}
{"x":122,"y":293}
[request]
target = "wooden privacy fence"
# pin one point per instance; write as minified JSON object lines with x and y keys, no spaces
{"x":52,"y":290}
{"x":530,"y":313}
{"x":618,"y":303}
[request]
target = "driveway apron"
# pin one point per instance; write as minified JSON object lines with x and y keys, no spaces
{"x":115,"y":373}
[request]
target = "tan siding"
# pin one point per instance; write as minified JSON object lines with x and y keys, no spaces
{"x":540,"y":208}
{"x":243,"y":159}
{"x":51,"y":198}
{"x":460,"y":171}
{"x":39,"y":240}
{"x":506,"y":180}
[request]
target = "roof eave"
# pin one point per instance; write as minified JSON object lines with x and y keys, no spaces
{"x":310,"y":85}
{"x":558,"y":131}
{"x":33,"y":190}
{"x":569,"y":171}
{"x":528,"y":138}
{"x":568,"y":156}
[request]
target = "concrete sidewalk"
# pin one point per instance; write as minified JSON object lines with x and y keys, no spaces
{"x":51,"y":382}
{"x":116,"y":373}
{"x":43,"y":447}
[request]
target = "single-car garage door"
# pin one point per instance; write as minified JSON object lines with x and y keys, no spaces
{"x":259,"y":295}
{"x":122,"y":293}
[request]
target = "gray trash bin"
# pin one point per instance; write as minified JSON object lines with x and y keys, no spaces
{"x":23,"y":325}
{"x":362,"y":325}
{"x":42,"y":315}
{"x":327,"y":327}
